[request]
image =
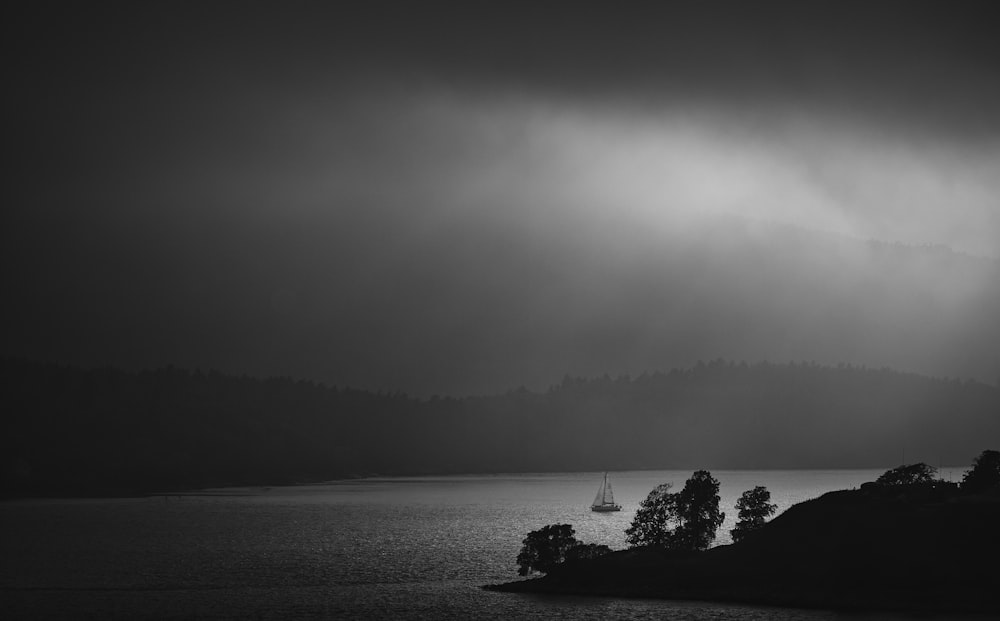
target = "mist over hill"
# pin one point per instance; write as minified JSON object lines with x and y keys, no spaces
{"x":475,"y":308}
{"x":70,"y":430}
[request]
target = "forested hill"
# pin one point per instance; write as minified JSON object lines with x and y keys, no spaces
{"x":69,"y":430}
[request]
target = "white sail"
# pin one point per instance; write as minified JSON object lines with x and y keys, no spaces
{"x":605,"y":499}
{"x":599,"y":498}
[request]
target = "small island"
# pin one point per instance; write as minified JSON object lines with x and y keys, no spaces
{"x":905,"y":542}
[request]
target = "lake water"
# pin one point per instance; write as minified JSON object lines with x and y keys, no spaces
{"x":371,"y":548}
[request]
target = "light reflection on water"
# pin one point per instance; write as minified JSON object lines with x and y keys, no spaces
{"x":371,"y":548}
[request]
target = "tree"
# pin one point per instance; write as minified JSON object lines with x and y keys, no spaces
{"x":651,"y":525}
{"x":984,"y":474}
{"x":699,"y":512}
{"x":753,"y":507}
{"x":545,"y":548}
{"x":908,"y":475}
{"x":686,"y":520}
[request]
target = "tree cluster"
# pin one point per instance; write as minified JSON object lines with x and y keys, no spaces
{"x":550,"y":545}
{"x":984,"y":474}
{"x":688,"y":520}
{"x":908,"y":475}
{"x":685,"y":520}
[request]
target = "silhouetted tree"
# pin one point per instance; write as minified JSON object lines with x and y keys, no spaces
{"x":908,"y":475}
{"x":686,"y":520}
{"x":698,"y":508}
{"x":586,"y":551}
{"x":545,"y":548}
{"x":984,"y":474}
{"x":753,"y":507}
{"x":651,"y":525}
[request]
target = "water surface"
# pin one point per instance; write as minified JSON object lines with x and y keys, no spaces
{"x":415,"y":547}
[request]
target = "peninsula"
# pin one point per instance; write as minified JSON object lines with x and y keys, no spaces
{"x":921,"y":547}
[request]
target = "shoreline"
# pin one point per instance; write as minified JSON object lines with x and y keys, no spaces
{"x":206,"y":490}
{"x":198,"y":489}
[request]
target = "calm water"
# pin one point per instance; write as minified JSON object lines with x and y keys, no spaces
{"x":371,"y":548}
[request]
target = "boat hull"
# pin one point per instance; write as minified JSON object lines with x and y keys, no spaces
{"x":605,"y":508}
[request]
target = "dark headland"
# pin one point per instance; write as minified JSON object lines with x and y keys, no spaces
{"x":923,"y":547}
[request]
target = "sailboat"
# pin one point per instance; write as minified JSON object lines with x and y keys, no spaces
{"x":605,"y":499}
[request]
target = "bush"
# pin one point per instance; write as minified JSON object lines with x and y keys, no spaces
{"x":908,"y":475}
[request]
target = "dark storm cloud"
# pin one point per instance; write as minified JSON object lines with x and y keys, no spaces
{"x":927,"y":60}
{"x":466,"y":197}
{"x":913,"y":62}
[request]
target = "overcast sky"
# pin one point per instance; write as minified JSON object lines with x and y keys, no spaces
{"x":463,"y":198}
